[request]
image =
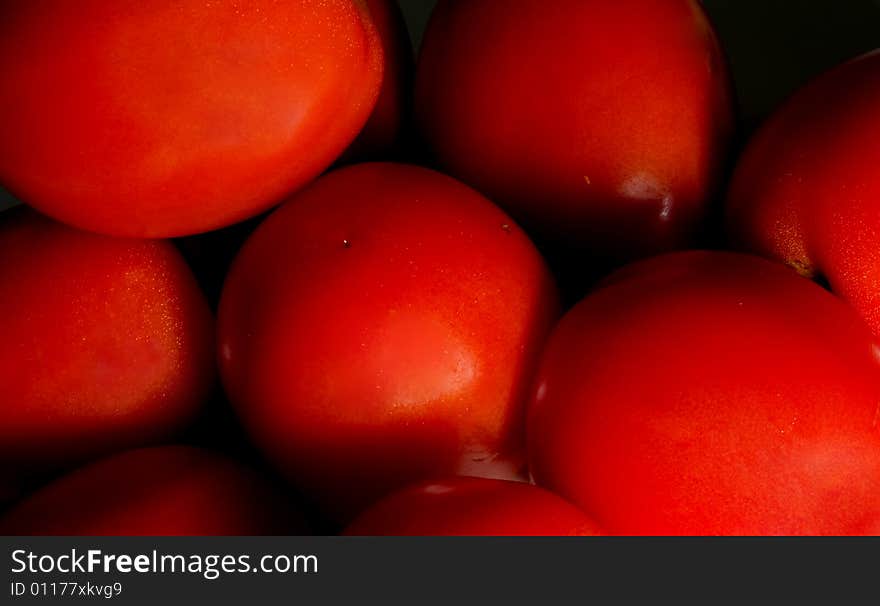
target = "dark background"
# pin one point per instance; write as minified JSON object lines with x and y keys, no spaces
{"x":774,"y":46}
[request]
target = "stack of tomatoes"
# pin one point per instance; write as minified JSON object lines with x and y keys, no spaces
{"x":553,"y":308}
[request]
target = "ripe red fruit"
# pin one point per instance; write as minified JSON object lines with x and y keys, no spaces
{"x":107,"y":343}
{"x":383,"y":133}
{"x":472,"y":507}
{"x":603,"y":124}
{"x":382,"y":327}
{"x":807,"y":189}
{"x":171,"y":117}
{"x":711,"y":393}
{"x":162,"y":491}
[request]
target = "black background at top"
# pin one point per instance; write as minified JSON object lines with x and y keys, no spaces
{"x":774,"y":46}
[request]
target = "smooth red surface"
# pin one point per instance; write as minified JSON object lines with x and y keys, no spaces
{"x":171,"y":117}
{"x":106,"y":343}
{"x":472,"y":507}
{"x":807,"y":189}
{"x":382,"y":327}
{"x":383,"y":133}
{"x":711,"y":393}
{"x":603,"y":124}
{"x":162,"y":491}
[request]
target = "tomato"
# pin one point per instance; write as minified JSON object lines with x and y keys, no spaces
{"x":807,"y":190}
{"x":472,"y":506}
{"x":711,"y":393}
{"x":383,"y":134}
{"x":171,"y":117}
{"x":382,"y":327}
{"x":159,"y":491}
{"x":107,"y":343}
{"x":600,"y":124}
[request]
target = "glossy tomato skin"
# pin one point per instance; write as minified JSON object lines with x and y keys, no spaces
{"x":807,"y":190}
{"x":772,"y":46}
{"x":122,"y":118}
{"x":159,"y":491}
{"x":382,"y":327}
{"x":383,"y":136}
{"x":600,"y":124}
{"x":711,"y":394}
{"x":472,"y":507}
{"x":107,"y":342}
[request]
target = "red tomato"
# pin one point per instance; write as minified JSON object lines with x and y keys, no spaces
{"x":773,"y":47}
{"x":168,"y":490}
{"x":807,"y":190}
{"x":383,"y":133}
{"x":472,"y":506}
{"x":381,"y":328}
{"x":711,"y":393}
{"x":600,"y":123}
{"x":107,"y":343}
{"x":171,"y":117}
